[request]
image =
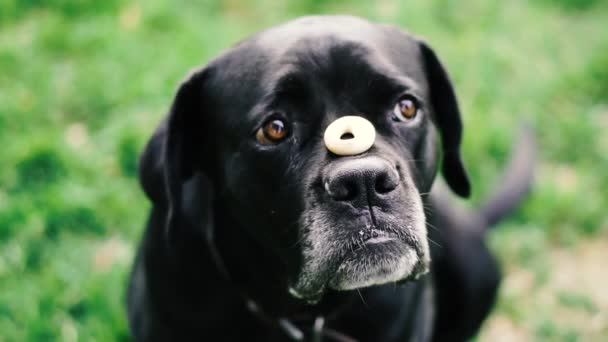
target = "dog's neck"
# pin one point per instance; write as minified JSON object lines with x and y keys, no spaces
{"x":260,"y":274}
{"x":233,"y":260}
{"x":254,"y":274}
{"x":260,"y":278}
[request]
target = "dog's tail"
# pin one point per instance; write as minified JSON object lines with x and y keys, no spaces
{"x":516,"y":181}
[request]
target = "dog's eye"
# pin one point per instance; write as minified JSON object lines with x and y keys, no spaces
{"x":272,"y":132}
{"x":405,"y":109}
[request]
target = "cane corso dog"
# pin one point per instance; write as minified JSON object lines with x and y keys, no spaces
{"x":258,"y":232}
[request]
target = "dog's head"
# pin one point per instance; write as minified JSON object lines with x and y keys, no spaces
{"x":252,"y":121}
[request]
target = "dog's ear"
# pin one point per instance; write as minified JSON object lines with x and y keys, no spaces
{"x":175,"y":153}
{"x":183,"y":144}
{"x":447,"y":116}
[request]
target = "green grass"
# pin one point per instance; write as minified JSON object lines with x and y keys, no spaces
{"x":84,"y":83}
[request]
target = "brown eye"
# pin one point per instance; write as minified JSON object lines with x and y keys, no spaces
{"x":272,"y":132}
{"x":405,"y":109}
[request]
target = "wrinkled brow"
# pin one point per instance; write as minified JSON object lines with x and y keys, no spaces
{"x":294,"y":86}
{"x":379,"y":82}
{"x":387,"y":84}
{"x":289,"y":83}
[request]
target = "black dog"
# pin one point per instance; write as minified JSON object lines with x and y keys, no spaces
{"x":258,"y":232}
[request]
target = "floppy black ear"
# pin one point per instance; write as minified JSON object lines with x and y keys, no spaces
{"x":447,"y":117}
{"x":174,"y":154}
{"x":182,"y":148}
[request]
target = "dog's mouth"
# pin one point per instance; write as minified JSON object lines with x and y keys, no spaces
{"x":374,"y":236}
{"x":384,"y":253}
{"x":379,"y":257}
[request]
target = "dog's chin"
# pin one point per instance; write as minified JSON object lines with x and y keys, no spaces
{"x":377,"y":262}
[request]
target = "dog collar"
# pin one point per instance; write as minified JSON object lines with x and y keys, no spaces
{"x":318,"y":331}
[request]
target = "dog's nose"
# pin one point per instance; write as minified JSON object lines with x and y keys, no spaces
{"x":362,"y":180}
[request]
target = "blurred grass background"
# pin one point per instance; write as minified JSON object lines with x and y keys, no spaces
{"x":83,"y":83}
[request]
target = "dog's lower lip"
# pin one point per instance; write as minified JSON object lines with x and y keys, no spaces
{"x":379,"y":239}
{"x":376,"y":236}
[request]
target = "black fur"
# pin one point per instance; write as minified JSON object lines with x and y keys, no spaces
{"x":276,"y":226}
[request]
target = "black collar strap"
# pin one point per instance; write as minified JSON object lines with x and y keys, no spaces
{"x":318,"y":330}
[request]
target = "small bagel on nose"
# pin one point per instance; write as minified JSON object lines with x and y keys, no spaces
{"x":349,"y":135}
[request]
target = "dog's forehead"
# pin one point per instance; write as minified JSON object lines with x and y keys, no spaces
{"x":288,"y":35}
{"x":322,"y":33}
{"x":346,"y":50}
{"x":282,"y":45}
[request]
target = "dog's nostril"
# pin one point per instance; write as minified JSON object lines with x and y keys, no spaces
{"x":347,"y":136}
{"x":380,"y":185}
{"x":385,"y":183}
{"x":348,"y":192}
{"x":344,"y":191}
